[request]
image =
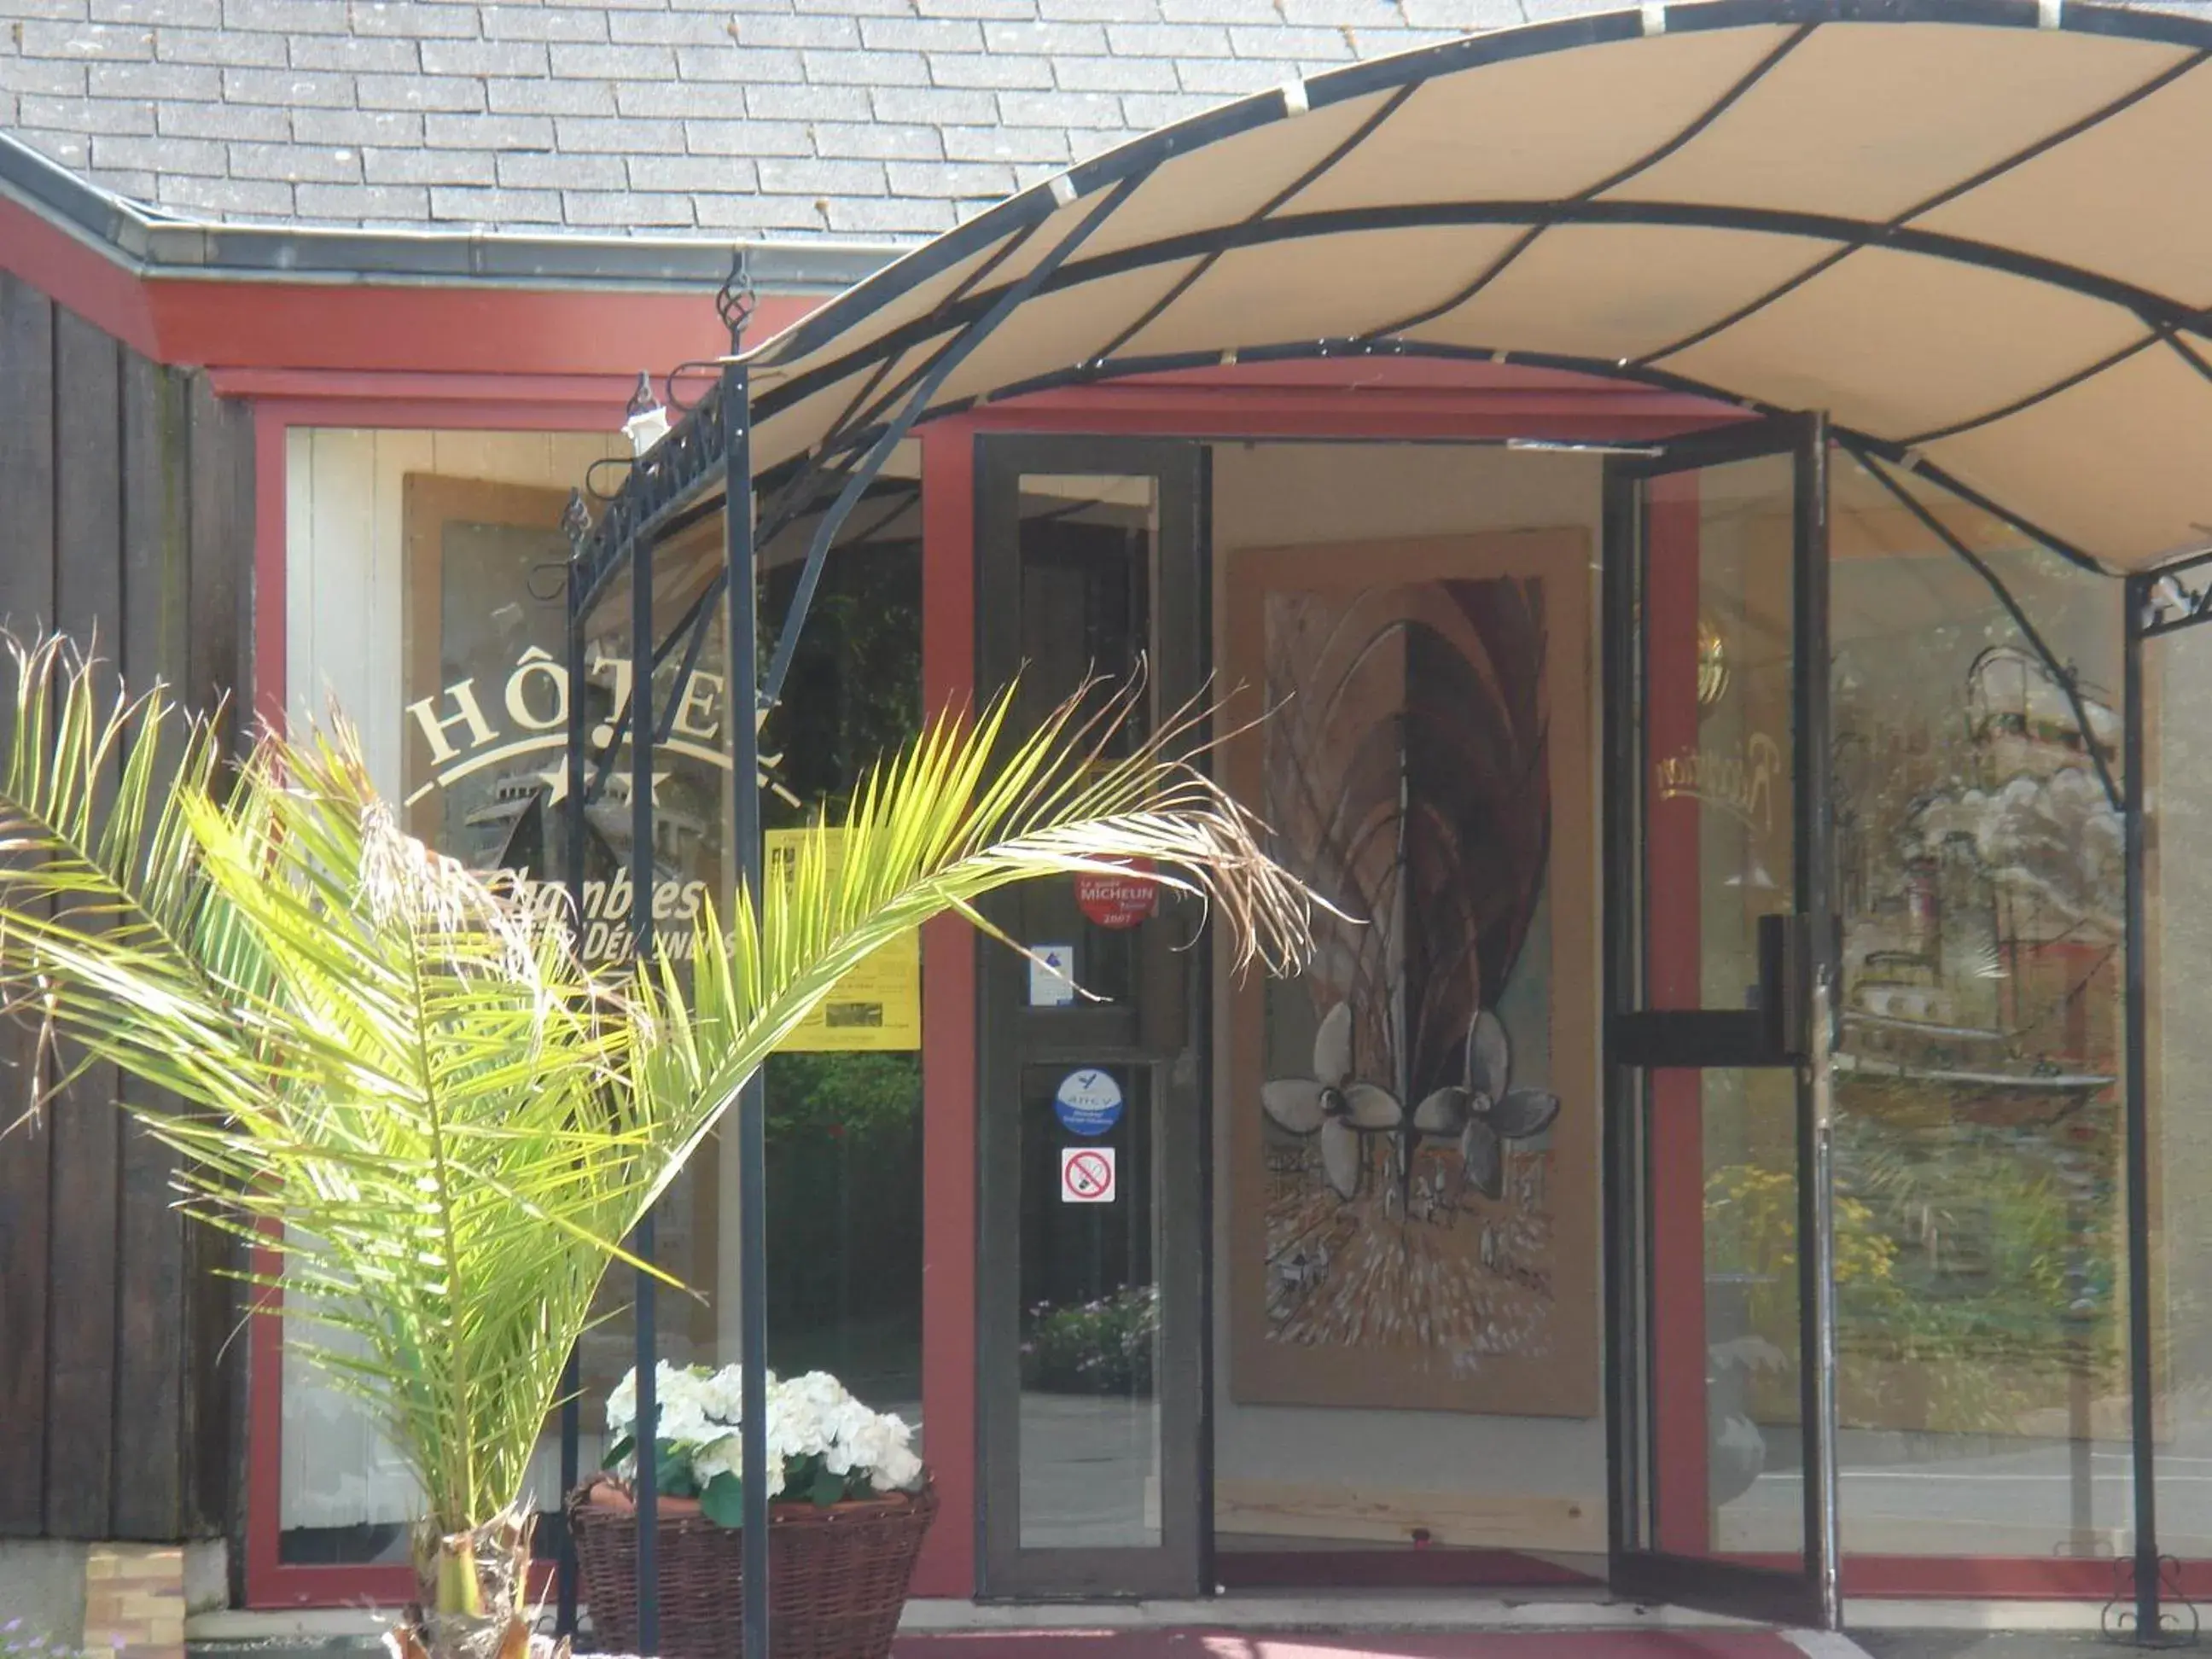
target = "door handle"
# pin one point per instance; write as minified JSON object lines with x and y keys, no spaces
{"x":1784,"y":961}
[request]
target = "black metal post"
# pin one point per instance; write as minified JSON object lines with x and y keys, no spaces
{"x":577,"y":521}
{"x":741,"y":587}
{"x":641,"y":1241}
{"x":2135,"y":597}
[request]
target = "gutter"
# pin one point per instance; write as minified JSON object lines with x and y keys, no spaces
{"x":147,"y":243}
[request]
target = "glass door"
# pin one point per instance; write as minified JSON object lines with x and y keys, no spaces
{"x":1091,"y":1267}
{"x":1721,"y":970}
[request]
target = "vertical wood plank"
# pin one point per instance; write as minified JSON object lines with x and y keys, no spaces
{"x":87,"y":1146}
{"x":26,"y":576}
{"x":149,"y":1495}
{"x":219,"y":510}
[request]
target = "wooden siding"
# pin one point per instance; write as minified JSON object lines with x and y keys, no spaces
{"x":126,"y":521}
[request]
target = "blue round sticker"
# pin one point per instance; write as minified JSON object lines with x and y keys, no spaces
{"x":1089,"y":1101}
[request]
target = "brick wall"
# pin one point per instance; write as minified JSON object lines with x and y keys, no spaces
{"x":134,"y":1601}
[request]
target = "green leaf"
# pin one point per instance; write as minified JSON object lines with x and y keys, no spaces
{"x":672,"y":1471}
{"x":723,"y":1502}
{"x":621,"y":1448}
{"x":828,"y":1488}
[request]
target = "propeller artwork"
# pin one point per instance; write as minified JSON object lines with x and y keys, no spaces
{"x":1482,"y":1112}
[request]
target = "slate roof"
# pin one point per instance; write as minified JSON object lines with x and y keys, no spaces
{"x":866,"y":120}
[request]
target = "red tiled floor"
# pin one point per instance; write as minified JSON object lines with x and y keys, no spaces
{"x":1227,"y":1644}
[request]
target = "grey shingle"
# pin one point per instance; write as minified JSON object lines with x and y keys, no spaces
{"x":503,"y":96}
{"x":830,"y":66}
{"x":952,"y":180}
{"x":259,"y":121}
{"x":932,"y":34}
{"x":1307,"y":44}
{"x":361,"y":54}
{"x":391,"y":129}
{"x":287,"y":16}
{"x":666,"y":98}
{"x":185,"y":14}
{"x":487,"y":132}
{"x":1166,"y":39}
{"x":525,"y":58}
{"x":630,"y":209}
{"x":673,"y":28}
{"x":530,"y":170}
{"x":586,"y":63}
{"x":57,"y":77}
{"x":755,"y":28}
{"x":1116,"y":74}
{"x":878,"y":141}
{"x":693,"y":175}
{"x":896,"y":215}
{"x":712,"y":137}
{"x":359,"y":205}
{"x":997,"y":144}
{"x":598,"y":136}
{"x":762,"y":214}
{"x":297,"y":163}
{"x":418,"y":92}
{"x":225,"y":46}
{"x":743,"y":63}
{"x":240,"y":198}
{"x":544,"y":23}
{"x":427,"y":167}
{"x":1052,"y":39}
{"x":41,"y":39}
{"x":159,"y":80}
{"x":993,"y":70}
{"x":935,"y":104}
{"x":293,"y":89}
{"x":140,"y":153}
{"x":1073,"y":111}
{"x":791,"y":176}
{"x":413,"y":19}
{"x":1234,"y":77}
{"x":463,"y":204}
{"x":84,"y":116}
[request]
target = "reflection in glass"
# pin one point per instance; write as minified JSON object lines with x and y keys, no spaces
{"x":1980,"y":1264}
{"x":1090,"y":1418}
{"x":1729,"y":1471}
{"x":1720,"y":673}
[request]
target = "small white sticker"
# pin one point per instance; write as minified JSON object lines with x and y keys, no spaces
{"x":1052,"y":976}
{"x":1086,"y":1174}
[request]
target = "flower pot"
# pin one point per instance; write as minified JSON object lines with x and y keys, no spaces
{"x":837,"y":1576}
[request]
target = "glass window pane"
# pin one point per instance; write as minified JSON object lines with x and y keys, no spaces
{"x":1728,"y":1467}
{"x":1089,"y":1418}
{"x":1718,"y":710}
{"x":1980,"y":1248}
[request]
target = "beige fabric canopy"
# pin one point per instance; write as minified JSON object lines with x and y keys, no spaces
{"x":1977,"y":233}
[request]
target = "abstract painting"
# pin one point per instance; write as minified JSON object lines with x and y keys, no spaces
{"x":1412,"y":1179}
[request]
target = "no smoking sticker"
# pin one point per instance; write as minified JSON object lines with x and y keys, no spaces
{"x":1086,"y":1174}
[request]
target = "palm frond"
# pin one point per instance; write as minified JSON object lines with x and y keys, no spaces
{"x":407,"y":1080}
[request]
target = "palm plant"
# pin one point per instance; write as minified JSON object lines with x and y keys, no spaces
{"x":400,"y":1085}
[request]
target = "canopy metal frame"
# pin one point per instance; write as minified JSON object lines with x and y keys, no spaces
{"x":707,"y":463}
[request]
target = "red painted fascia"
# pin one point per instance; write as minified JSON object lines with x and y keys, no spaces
{"x":445,"y":331}
{"x":407,"y":327}
{"x":79,"y":275}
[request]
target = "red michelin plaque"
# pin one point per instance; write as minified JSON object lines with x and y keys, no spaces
{"x":1120,"y":900}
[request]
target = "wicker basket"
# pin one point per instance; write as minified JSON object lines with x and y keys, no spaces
{"x":837,"y":1577}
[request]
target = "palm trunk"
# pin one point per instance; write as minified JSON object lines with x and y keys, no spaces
{"x":475,"y":1596}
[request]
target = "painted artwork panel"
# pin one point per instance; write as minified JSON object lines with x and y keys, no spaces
{"x":1415,"y":1196}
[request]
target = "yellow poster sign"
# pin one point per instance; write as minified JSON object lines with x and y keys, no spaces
{"x":876,"y":1007}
